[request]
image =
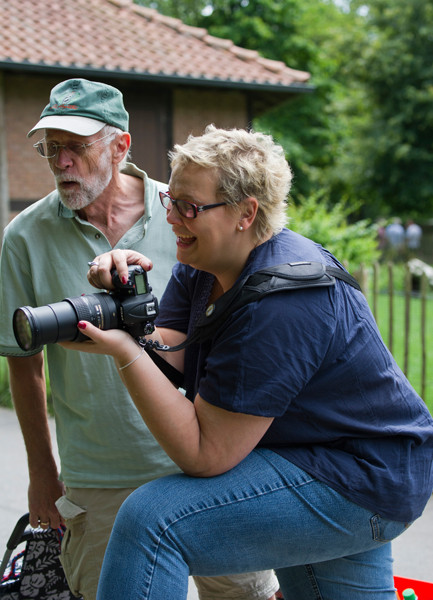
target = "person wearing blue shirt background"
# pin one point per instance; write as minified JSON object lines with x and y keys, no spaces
{"x":303,"y":447}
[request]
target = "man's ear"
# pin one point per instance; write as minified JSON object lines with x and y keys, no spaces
{"x":122,"y":144}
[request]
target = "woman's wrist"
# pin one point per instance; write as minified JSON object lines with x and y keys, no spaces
{"x":127,"y":351}
{"x":121,"y":367}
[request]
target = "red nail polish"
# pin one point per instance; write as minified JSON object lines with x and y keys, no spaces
{"x":124,"y":280}
{"x":82,"y":325}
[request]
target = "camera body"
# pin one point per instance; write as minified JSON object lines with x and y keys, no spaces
{"x":130,"y":306}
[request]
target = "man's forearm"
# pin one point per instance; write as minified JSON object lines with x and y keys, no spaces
{"x":28,"y":388}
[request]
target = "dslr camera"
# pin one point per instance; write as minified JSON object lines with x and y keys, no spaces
{"x":130,"y":306}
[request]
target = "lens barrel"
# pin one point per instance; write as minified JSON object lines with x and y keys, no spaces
{"x":57,"y":322}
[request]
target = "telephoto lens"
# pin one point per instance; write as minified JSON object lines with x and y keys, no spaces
{"x":57,"y":322}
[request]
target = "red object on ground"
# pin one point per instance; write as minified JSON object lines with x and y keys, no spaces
{"x":423,"y":589}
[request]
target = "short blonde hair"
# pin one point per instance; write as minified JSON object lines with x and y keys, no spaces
{"x":248,"y":164}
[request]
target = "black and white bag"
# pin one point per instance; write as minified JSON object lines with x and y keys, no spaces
{"x":35,"y":571}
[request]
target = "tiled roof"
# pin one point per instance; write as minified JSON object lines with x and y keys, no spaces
{"x":118,"y":36}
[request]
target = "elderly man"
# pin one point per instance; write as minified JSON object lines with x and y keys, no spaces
{"x":101,"y":202}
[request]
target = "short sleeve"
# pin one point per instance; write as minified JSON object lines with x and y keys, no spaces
{"x":15,"y":290}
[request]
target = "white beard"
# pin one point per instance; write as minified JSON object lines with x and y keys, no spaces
{"x":90,"y":188}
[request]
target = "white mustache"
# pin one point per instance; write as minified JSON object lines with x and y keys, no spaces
{"x":66,"y":179}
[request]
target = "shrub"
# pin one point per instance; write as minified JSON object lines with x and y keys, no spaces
{"x":5,"y":395}
{"x":351,"y":242}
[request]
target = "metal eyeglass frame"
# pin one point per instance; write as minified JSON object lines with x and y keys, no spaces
{"x":79,"y":150}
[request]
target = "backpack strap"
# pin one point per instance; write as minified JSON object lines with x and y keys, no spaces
{"x":281,"y":278}
{"x":284,"y":277}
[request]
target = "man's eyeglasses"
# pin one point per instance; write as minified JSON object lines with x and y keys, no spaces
{"x":51,"y":149}
{"x":184,"y":208}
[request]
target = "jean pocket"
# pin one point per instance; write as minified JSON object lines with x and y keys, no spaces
{"x":384,"y":530}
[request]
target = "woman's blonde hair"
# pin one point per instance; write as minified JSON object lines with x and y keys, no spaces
{"x":248,"y":164}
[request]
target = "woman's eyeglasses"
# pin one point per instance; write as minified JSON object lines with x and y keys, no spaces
{"x":51,"y":149}
{"x":184,"y":208}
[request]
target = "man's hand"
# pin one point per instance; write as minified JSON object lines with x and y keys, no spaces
{"x":42,"y":494}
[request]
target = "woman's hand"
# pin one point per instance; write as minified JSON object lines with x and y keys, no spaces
{"x":114,"y":342}
{"x":99,"y":274}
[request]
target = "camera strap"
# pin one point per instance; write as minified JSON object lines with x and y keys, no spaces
{"x":279,"y":278}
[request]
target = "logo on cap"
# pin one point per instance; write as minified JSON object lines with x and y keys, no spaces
{"x":66,"y":102}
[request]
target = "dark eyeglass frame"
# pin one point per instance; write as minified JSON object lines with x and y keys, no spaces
{"x":181,"y":205}
{"x":76,"y":148}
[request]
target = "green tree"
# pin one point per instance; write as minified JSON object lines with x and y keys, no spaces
{"x":186,"y":10}
{"x":366,"y":133}
{"x":278,"y":30}
{"x":303,"y":35}
{"x":390,"y":156}
{"x":312,"y":128}
{"x":270,"y":27}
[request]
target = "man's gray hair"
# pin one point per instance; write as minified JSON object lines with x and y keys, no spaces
{"x":115,"y":130}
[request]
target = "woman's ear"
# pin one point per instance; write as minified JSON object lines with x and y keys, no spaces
{"x":248,"y":211}
{"x":122,"y":144}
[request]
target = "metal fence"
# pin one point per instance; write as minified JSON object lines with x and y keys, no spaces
{"x":418,"y":279}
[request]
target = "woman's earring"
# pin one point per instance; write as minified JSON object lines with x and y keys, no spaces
{"x":240,"y":228}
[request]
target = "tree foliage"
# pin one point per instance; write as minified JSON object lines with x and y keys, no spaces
{"x":293,"y":32}
{"x":332,"y":226}
{"x":367,"y":130}
{"x":392,"y":151}
{"x":186,"y":10}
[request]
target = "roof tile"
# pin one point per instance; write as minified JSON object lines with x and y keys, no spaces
{"x":120,"y":36}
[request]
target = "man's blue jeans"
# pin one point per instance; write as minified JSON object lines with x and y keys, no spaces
{"x":265,"y":513}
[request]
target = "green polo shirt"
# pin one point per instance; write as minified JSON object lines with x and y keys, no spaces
{"x":102,"y":439}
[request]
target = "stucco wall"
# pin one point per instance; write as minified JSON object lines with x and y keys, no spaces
{"x":193,"y":109}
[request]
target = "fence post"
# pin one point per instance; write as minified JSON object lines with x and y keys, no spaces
{"x":363,"y":279}
{"x":376,"y":272}
{"x":424,"y":287}
{"x":391,"y":304}
{"x":407,"y":297}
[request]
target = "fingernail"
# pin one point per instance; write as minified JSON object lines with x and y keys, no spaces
{"x":124,"y":280}
{"x":82,"y":325}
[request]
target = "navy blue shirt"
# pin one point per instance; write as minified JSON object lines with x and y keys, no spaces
{"x":315,"y":361}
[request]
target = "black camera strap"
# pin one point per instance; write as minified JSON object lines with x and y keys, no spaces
{"x":280,"y":278}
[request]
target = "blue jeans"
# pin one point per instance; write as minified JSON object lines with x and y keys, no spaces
{"x":266,"y":513}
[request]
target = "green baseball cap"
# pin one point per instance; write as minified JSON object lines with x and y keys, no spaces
{"x":83,"y":107}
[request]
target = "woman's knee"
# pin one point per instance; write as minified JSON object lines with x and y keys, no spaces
{"x":152,"y":502}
